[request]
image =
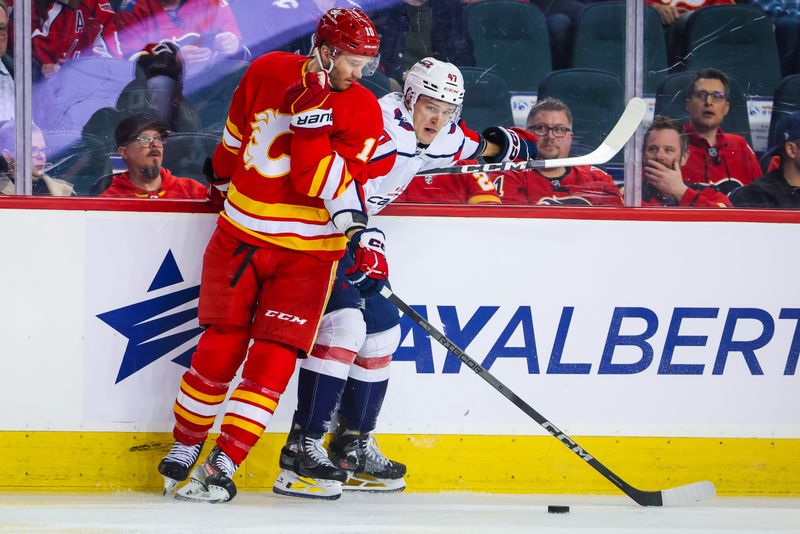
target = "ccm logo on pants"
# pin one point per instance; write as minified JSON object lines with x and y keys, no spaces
{"x":284,"y":316}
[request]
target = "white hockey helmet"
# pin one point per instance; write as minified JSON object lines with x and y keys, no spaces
{"x":436,"y":79}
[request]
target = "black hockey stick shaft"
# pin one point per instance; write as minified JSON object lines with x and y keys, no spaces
{"x":644,"y":498}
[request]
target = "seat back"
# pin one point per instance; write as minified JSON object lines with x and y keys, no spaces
{"x":487,"y":101}
{"x":510,"y":38}
{"x":600,"y":42}
{"x":185,"y":153}
{"x":785,"y":102}
{"x":378,"y":83}
{"x":671,"y":98}
{"x":738,"y":40}
{"x":76,"y":157}
{"x":595,"y":97}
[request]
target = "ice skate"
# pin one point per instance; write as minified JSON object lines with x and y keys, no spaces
{"x":306,"y":470}
{"x":211,"y":481}
{"x":175,"y":466}
{"x":367,"y":467}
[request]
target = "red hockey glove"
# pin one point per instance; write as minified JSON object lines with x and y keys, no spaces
{"x":307,"y":100}
{"x":370,"y":269}
{"x":514,"y":143}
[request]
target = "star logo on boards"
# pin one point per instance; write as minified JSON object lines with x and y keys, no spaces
{"x":156,"y":327}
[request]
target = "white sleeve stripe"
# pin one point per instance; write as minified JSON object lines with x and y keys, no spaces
{"x":334,"y":178}
{"x":51,"y":17}
{"x":230,"y":140}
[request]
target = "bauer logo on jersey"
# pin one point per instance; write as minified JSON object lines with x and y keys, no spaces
{"x":156,"y":327}
{"x":316,"y":118}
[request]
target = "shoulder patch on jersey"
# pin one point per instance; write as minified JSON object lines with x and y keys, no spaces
{"x":401,"y":121}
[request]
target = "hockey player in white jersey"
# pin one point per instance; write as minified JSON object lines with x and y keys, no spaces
{"x":348,"y":367}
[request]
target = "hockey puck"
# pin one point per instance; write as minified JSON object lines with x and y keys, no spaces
{"x":552,"y":509}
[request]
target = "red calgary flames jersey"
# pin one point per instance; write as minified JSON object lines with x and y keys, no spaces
{"x":476,"y":188}
{"x":67,"y":33}
{"x":582,"y":186}
{"x":277,"y":198}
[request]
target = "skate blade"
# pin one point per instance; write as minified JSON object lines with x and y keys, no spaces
{"x":292,"y":485}
{"x":368,"y":483}
{"x":170,"y":485}
{"x":194,"y":491}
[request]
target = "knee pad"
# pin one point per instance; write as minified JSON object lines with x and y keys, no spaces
{"x":269,"y":364}
{"x":372,"y":362}
{"x":343,"y":328}
{"x":220,"y":352}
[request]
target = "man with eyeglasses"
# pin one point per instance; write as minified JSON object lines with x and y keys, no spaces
{"x":140,"y":142}
{"x":43,"y":184}
{"x":779,"y":188}
{"x":716,"y":158}
{"x":551,"y":121}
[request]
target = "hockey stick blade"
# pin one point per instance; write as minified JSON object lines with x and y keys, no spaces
{"x":680,"y":496}
{"x":626,"y":126}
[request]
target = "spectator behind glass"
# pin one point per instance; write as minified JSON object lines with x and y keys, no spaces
{"x":779,"y":188}
{"x":670,"y":10}
{"x":140,"y":141}
{"x":551,"y":122}
{"x":665,"y":150}
{"x":158,"y":88}
{"x":475,"y":188}
{"x":716,"y":158}
{"x":6,"y":69}
{"x":66,"y":29}
{"x":785,"y":16}
{"x":205,"y":30}
{"x":43,"y":185}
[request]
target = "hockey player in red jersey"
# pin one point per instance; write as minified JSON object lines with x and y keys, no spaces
{"x":349,"y":363}
{"x":665,"y":150}
{"x":68,"y":29}
{"x":299,"y":134}
{"x":551,"y":121}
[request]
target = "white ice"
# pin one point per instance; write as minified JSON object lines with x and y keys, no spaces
{"x":413,"y":512}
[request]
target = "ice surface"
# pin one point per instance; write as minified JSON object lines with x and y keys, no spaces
{"x":414,"y":512}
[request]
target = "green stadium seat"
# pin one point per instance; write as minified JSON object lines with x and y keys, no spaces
{"x":185,"y":153}
{"x":671,"y":101}
{"x":487,"y":101}
{"x":510,"y":38}
{"x":737,"y":39}
{"x":378,"y":83}
{"x":600,"y":42}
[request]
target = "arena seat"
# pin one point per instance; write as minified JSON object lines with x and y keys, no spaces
{"x":185,"y":153}
{"x":737,"y":39}
{"x":510,"y":38}
{"x":487,"y":101}
{"x":600,"y":42}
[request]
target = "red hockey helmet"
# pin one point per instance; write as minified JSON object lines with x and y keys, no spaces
{"x":348,"y":30}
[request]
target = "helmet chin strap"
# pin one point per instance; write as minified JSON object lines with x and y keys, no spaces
{"x":318,"y":57}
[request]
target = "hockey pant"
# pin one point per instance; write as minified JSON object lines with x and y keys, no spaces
{"x":347,"y":367}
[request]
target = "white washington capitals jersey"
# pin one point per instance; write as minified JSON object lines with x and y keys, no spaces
{"x":397,"y":158}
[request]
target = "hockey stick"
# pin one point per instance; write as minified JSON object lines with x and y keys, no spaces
{"x":680,"y":496}
{"x":626,"y":126}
